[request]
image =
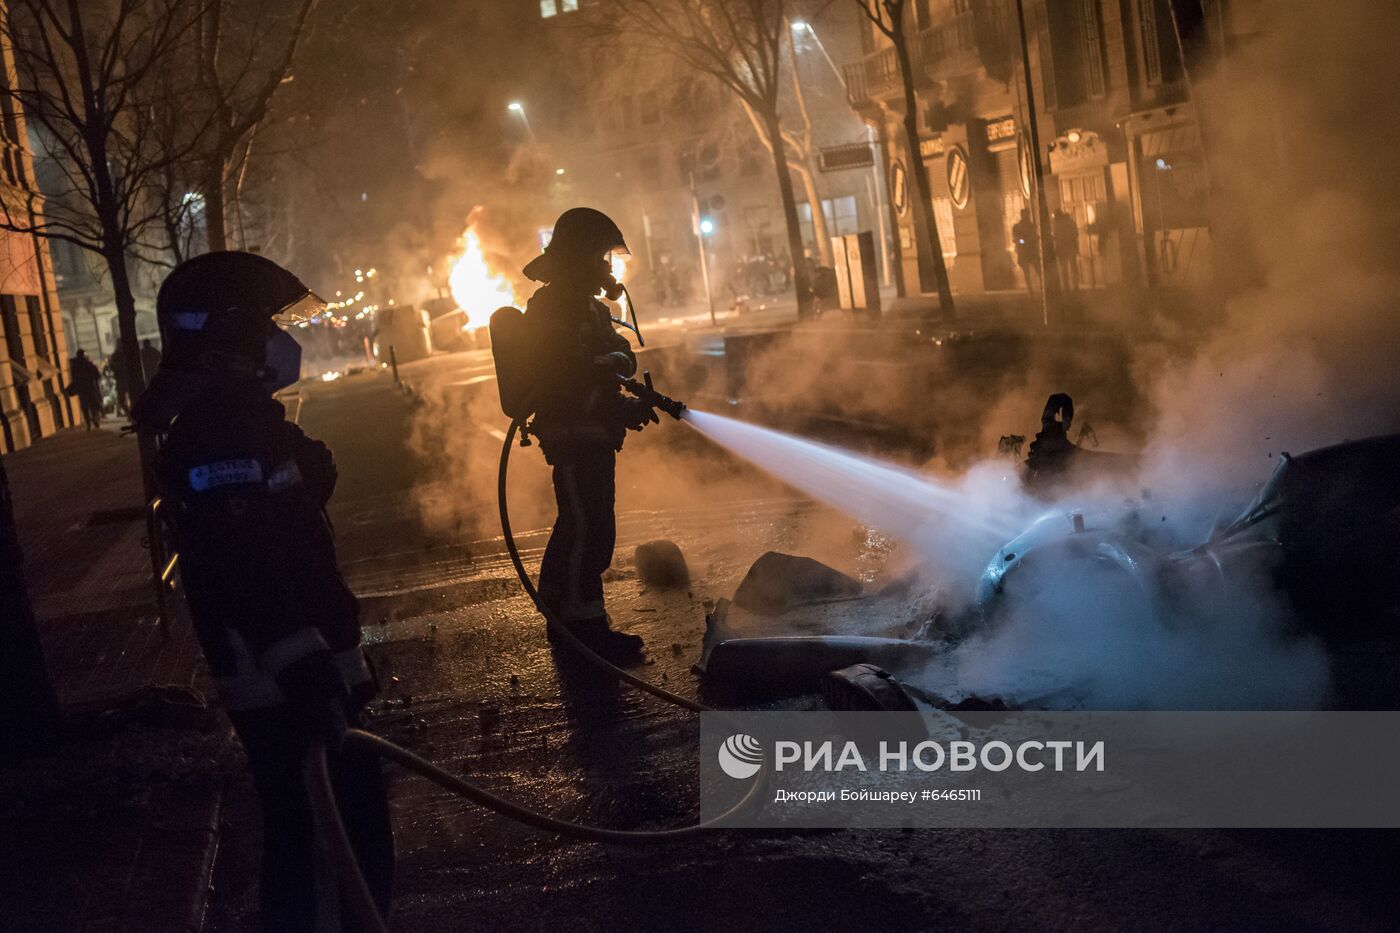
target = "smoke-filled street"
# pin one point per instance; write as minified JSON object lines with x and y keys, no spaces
{"x":475,"y":685}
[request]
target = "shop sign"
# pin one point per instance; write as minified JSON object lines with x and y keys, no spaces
{"x":1001,"y":129}
{"x":899,"y":187}
{"x":959,"y":183}
{"x":929,"y":148}
{"x":850,"y":155}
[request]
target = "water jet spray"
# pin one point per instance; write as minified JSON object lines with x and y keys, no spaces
{"x":899,"y":501}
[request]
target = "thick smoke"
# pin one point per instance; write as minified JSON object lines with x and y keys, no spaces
{"x":1304,"y":133}
{"x":1084,"y":636}
{"x":1302,"y":358}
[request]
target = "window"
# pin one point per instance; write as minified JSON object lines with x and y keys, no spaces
{"x":1093,"y":48}
{"x":548,"y":8}
{"x":568,"y":6}
{"x":1151,"y":49}
{"x":9,"y":320}
{"x":14,"y":159}
{"x":37,"y":330}
{"x":841,"y":215}
{"x":1065,"y":23}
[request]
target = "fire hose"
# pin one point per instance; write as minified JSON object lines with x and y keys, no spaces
{"x":316,"y":773}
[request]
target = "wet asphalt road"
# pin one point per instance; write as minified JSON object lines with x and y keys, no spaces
{"x":476,"y":688}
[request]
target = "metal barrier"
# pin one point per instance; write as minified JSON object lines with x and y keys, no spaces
{"x":163,"y":564}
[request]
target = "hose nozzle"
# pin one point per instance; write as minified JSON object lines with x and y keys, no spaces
{"x":647,"y":393}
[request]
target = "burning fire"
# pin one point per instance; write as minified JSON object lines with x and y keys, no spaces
{"x":477,"y":290}
{"x":619,"y":271}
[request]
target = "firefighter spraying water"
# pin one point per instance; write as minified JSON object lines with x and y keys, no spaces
{"x":562,"y":364}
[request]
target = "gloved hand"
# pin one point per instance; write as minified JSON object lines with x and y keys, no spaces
{"x":617,"y":362}
{"x":636,"y":414}
{"x":318,"y":697}
{"x":316,"y":463}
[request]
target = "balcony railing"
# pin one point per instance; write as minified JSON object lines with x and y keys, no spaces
{"x":954,"y":46}
{"x":939,"y":46}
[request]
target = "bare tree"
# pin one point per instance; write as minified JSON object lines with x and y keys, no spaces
{"x":802,"y":156}
{"x":740,"y":44}
{"x":84,"y":78}
{"x":176,"y":184}
{"x":245,"y":54}
{"x":890,"y":17}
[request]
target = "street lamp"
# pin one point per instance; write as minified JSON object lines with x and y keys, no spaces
{"x":517,"y":108}
{"x":707,"y":226}
{"x":799,"y":25}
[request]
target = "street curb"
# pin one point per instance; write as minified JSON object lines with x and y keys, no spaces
{"x":170,"y":881}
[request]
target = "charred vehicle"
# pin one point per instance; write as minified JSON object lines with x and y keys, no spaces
{"x":1321,"y":536}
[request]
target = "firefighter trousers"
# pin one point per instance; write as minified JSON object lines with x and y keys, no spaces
{"x":580,"y":548}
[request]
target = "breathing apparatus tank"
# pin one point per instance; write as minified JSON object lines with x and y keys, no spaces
{"x":510,"y":349}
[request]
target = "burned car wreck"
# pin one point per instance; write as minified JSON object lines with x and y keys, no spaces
{"x":1321,"y":536}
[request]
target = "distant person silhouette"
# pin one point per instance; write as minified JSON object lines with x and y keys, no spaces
{"x":1026,"y":241}
{"x":1066,"y":233}
{"x":86,"y":385}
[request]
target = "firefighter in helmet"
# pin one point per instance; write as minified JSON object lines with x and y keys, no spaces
{"x":246,"y":493}
{"x":581,"y":418}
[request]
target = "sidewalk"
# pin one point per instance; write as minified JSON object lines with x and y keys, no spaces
{"x":118,"y":832}
{"x":79,"y":508}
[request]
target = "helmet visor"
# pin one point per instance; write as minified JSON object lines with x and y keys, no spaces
{"x":301,"y":310}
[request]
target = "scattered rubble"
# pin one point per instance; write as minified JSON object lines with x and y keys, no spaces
{"x":661,"y":564}
{"x":778,"y":582}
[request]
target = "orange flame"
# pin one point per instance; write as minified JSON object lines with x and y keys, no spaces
{"x":477,"y":289}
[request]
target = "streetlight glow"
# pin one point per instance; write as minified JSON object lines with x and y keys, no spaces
{"x":800,"y":25}
{"x":515,"y":107}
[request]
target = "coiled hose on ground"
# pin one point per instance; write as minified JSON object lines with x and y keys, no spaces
{"x":316,"y":771}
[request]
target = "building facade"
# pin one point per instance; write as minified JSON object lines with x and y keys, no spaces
{"x":1120,"y":141}
{"x":89,"y":310}
{"x":34,"y":364}
{"x":673,"y":154}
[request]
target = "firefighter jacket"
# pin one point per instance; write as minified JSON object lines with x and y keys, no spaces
{"x":246,"y":493}
{"x":577,"y":356}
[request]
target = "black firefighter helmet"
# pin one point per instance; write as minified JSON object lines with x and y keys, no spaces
{"x":580,"y":233}
{"x":226,"y":304}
